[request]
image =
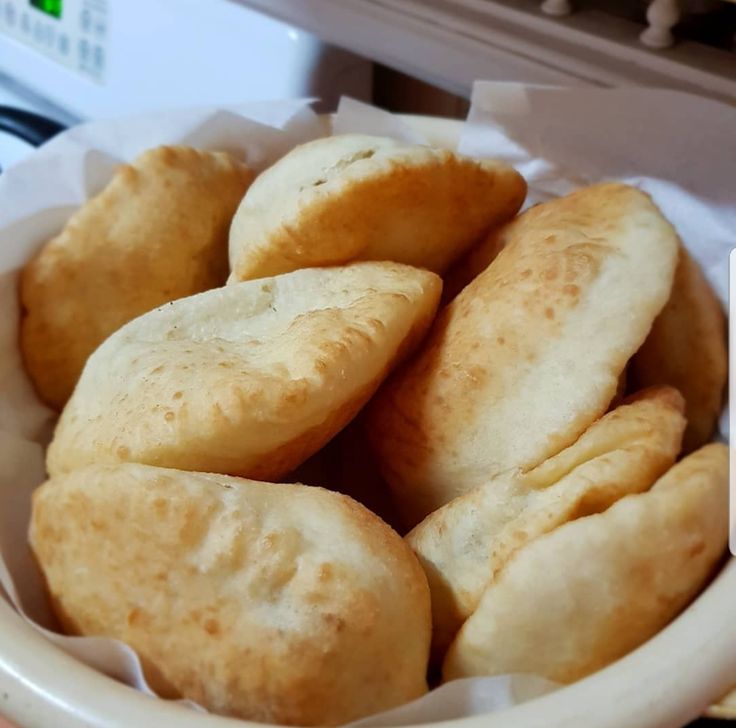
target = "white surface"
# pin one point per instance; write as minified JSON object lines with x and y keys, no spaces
{"x":159,"y":54}
{"x":650,"y":688}
{"x":450,"y":43}
{"x":12,"y":150}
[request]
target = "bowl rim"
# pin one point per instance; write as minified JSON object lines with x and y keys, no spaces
{"x":40,"y":685}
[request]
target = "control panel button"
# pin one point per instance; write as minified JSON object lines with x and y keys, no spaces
{"x":78,"y":40}
{"x":10,"y":14}
{"x":83,"y":50}
{"x":98,"y":58}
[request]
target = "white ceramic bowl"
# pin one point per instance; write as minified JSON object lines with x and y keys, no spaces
{"x":664,"y":684}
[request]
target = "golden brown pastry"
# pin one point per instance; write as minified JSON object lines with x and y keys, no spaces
{"x":356,"y":197}
{"x":466,"y":543}
{"x":578,"y":598}
{"x":157,"y":232}
{"x":250,"y":379}
{"x":277,"y":603}
{"x":687,"y":349}
{"x":520,"y":364}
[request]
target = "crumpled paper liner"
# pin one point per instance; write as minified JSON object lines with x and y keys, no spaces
{"x":38,"y":195}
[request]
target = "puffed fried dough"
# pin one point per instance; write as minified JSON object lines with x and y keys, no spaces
{"x":351,"y":197}
{"x":580,"y":597}
{"x":686,"y":348}
{"x":464,"y":544}
{"x":529,"y":354}
{"x":157,"y":232}
{"x":250,"y":379}
{"x":285,"y":604}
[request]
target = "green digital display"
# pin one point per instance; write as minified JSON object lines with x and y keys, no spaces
{"x":50,"y":7}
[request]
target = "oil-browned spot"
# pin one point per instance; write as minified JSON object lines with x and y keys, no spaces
{"x":212,"y":626}
{"x":525,"y":273}
{"x":133,"y":617}
{"x":549,"y":312}
{"x":571,"y":290}
{"x":334,"y":621}
{"x":550,"y":239}
{"x":123,"y":452}
{"x":324,"y":573}
{"x":178,"y":395}
{"x":477,"y":374}
{"x":294,"y":396}
{"x":500,"y":340}
{"x":170,"y":416}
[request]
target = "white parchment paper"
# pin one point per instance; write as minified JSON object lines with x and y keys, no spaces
{"x":558,"y":139}
{"x":356,"y":117}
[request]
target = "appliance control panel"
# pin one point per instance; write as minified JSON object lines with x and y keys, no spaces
{"x":73,"y":33}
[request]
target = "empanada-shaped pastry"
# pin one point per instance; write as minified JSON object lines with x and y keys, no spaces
{"x":277,"y":603}
{"x":464,"y":544}
{"x":356,"y":197}
{"x":686,"y":348}
{"x":157,"y":232}
{"x":249,"y":379}
{"x":529,"y":354}
{"x":580,"y":597}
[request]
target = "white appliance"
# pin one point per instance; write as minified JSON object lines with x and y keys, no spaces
{"x":80,"y":59}
{"x":12,"y":147}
